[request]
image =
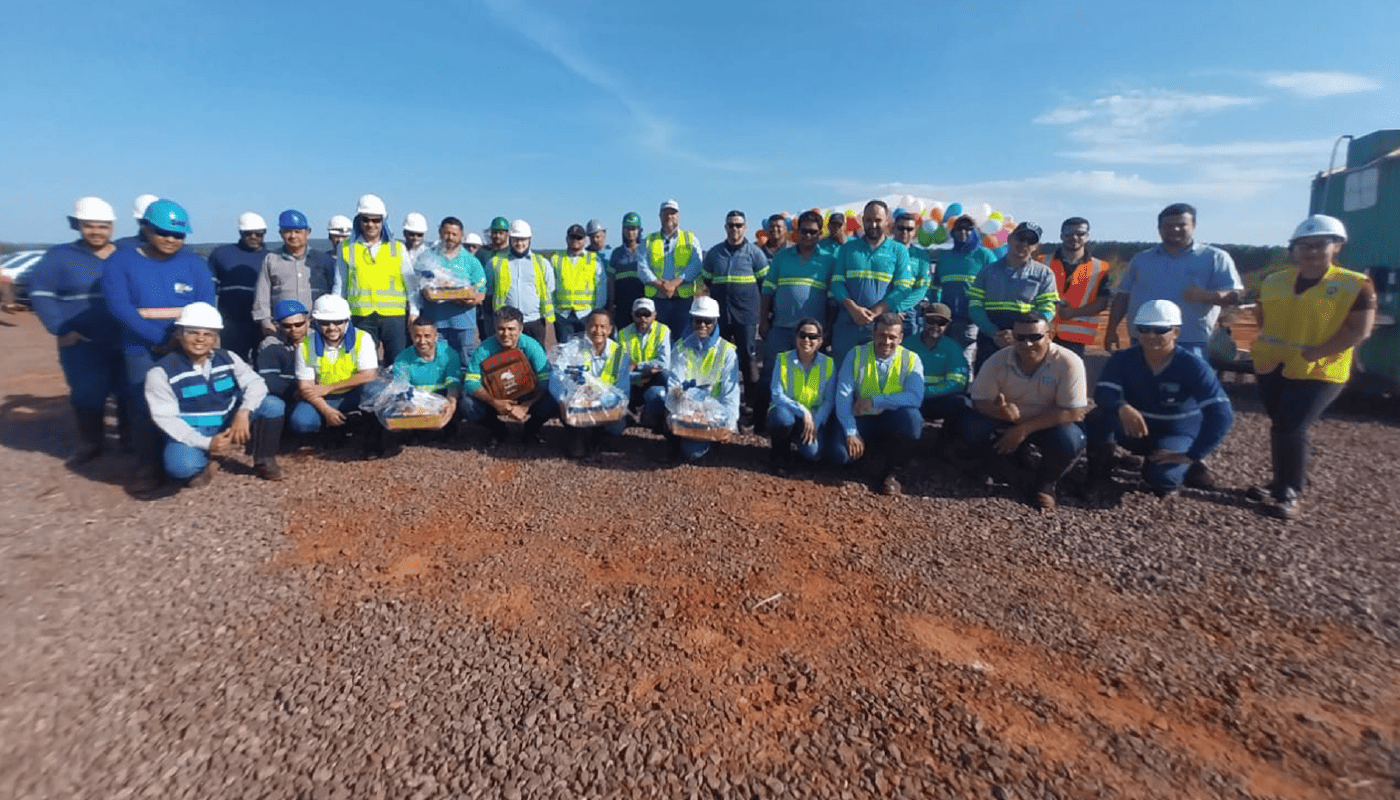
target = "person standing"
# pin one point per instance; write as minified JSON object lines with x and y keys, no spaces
{"x":580,"y":284}
{"x":871,"y":276}
{"x":146,"y":287}
{"x":455,"y":320}
{"x":1008,"y":288}
{"x":1082,"y":281}
{"x":138,"y":212}
{"x":957,"y":268}
{"x":776,"y":230}
{"x":236,"y":268}
{"x":338,"y":230}
{"x":669,"y":267}
{"x":920,"y":269}
{"x":294,"y":272}
{"x":794,"y":288}
{"x":524,"y":280}
{"x":1311,"y":318}
{"x":65,"y":292}
{"x":732,"y":272}
{"x":375,"y":276}
{"x":624,"y":281}
{"x":1199,"y":278}
{"x":598,"y":240}
{"x":415,"y":229}
{"x":497,"y":243}
{"x":835,"y":233}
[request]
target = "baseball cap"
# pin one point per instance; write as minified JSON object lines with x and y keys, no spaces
{"x":575,"y":232}
{"x":940,"y":310}
{"x":1028,"y":227}
{"x":671,"y":205}
{"x":644,"y":302}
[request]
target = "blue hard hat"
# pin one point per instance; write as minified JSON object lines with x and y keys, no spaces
{"x":293,"y":220}
{"x":287,"y":308}
{"x":168,"y":216}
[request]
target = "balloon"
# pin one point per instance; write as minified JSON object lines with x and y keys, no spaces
{"x":990,"y":227}
{"x":925,"y":236}
{"x":929,"y":226}
{"x":850,"y":213}
{"x":852,"y":225}
{"x":941,"y":235}
{"x":990,"y":242}
{"x":1008,"y":219}
{"x":996,"y":215}
{"x":954,"y":210}
{"x":1007,"y":225}
{"x":761,"y":236}
{"x":1002,"y":235}
{"x":935,"y":213}
{"x":920,"y":206}
{"x":897,"y":211}
{"x":980,"y":211}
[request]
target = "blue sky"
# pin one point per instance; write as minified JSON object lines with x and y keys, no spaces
{"x":562,"y":111}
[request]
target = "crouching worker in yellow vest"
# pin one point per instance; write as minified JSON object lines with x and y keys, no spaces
{"x":802,"y":395}
{"x":334,"y":362}
{"x":206,"y":401}
{"x":591,"y":382}
{"x":878,"y":393}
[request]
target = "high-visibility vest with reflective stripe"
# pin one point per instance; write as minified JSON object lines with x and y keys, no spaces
{"x":1081,"y":292}
{"x":374,"y":285}
{"x":641,"y":349}
{"x":1294,"y":321}
{"x":611,"y":372}
{"x":500,"y":266}
{"x":204,"y":402}
{"x":868,"y":371}
{"x":804,"y":387}
{"x":709,"y":370}
{"x":333,"y":370}
{"x":575,"y":280}
{"x":684,"y":251}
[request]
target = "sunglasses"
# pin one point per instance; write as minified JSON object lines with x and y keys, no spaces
{"x":810,"y":231}
{"x":907,"y":229}
{"x":936,"y":323}
{"x":702,"y":321}
{"x":334,"y":323}
{"x":577,"y":237}
{"x":734,"y":225}
{"x":1155,"y":330}
{"x":641,"y":313}
{"x":291,"y":326}
{"x":168,"y":234}
{"x":372,"y":220}
{"x":809,"y":336}
{"x":1028,"y":337}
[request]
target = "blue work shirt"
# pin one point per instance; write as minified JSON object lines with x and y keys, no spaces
{"x":464,"y":269}
{"x":534,"y":353}
{"x":798,"y":286}
{"x":1185,"y":398}
{"x":954,"y":275}
{"x":236,"y":269}
{"x":133,"y":281}
{"x":1157,"y":275}
{"x":733,"y":277}
{"x":65,"y":290}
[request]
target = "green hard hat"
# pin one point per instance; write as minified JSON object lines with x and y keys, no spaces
{"x":632,"y":220}
{"x":500,"y":224}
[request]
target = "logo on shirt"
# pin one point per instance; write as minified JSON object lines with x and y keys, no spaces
{"x":183,"y":288}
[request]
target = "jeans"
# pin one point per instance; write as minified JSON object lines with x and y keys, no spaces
{"x":947,"y":407}
{"x":306,"y":419}
{"x":847,"y":335}
{"x":183,"y":462}
{"x":1293,"y":406}
{"x":1104,"y":428}
{"x":540,"y":411}
{"x":674,"y":312}
{"x":463,"y":340}
{"x":94,"y":370}
{"x":786,"y":427}
{"x":567,"y":324}
{"x":145,"y":436}
{"x":1059,"y":446}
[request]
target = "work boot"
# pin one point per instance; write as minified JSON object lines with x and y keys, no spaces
{"x":1198,"y":476}
{"x":266,"y":438}
{"x":575,"y":446}
{"x":203,"y":477}
{"x":91,"y":429}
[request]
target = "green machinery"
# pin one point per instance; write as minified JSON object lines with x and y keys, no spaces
{"x":1365,"y":195}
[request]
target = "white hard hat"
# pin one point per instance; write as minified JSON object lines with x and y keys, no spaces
{"x":370,"y":204}
{"x":93,"y":209}
{"x":248,"y":221}
{"x":1158,"y":312}
{"x":671,"y":205}
{"x":472,"y":238}
{"x":1319,"y":225}
{"x":340,"y":224}
{"x":138,"y":209}
{"x":200,"y":315}
{"x":704,"y":306}
{"x":520,"y":229}
{"x":414,"y":222}
{"x":330,"y":308}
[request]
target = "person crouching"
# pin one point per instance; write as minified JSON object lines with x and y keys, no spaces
{"x":206,"y":400}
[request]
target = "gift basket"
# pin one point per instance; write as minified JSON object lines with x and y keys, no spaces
{"x":439,"y":284}
{"x":400,"y":406}
{"x":588,"y":400}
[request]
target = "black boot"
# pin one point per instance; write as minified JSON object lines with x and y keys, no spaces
{"x":91,"y":430}
{"x":267,"y":437}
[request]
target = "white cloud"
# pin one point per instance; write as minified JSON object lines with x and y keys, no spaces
{"x":1321,"y":84}
{"x":1129,"y":152}
{"x":655,"y":133}
{"x":1137,"y":113}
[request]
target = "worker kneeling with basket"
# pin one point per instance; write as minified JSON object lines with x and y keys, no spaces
{"x":589,"y":377}
{"x":506,"y":379}
{"x":702,"y":385}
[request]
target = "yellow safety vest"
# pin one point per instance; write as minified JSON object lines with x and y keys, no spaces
{"x":575,"y":280}
{"x":808,"y":389}
{"x":1294,"y":321}
{"x":869,"y":371}
{"x":612,"y":367}
{"x":374,"y":285}
{"x":500,"y":266}
{"x":708,"y":371}
{"x":680,"y":257}
{"x":334,"y":370}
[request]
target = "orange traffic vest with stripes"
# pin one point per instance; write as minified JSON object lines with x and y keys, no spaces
{"x":374,"y":284}
{"x":1294,"y":321}
{"x":1083,"y":291}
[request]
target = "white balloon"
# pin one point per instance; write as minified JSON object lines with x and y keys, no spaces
{"x":990,"y":227}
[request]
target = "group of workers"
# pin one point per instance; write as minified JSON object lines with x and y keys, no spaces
{"x":838,"y":349}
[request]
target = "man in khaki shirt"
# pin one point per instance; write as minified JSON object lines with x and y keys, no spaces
{"x":1031,"y":393}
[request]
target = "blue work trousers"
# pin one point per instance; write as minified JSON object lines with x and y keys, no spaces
{"x":183,"y":462}
{"x":306,"y":419}
{"x":888,"y":431}
{"x":785,"y":426}
{"x":94,"y":370}
{"x":1059,"y":446}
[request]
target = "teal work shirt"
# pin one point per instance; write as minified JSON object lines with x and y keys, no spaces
{"x":534,"y":353}
{"x":870,"y":275}
{"x":945,"y":365}
{"x":798,"y":287}
{"x":441,"y":373}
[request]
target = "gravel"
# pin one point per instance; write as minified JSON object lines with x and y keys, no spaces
{"x":448,"y":623}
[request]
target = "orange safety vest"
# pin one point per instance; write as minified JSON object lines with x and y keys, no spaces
{"x":1083,"y":291}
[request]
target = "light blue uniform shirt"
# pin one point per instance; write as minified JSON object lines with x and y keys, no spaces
{"x":466,"y":269}
{"x":826,"y":400}
{"x":1157,"y":275}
